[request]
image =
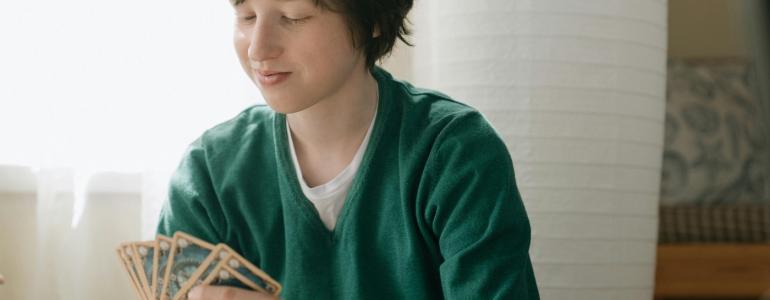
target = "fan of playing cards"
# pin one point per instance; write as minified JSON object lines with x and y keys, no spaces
{"x":167,"y":268}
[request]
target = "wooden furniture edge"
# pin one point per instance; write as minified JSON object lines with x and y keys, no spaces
{"x":712,"y":270}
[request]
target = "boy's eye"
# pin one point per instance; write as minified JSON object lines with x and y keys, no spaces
{"x":294,"y":20}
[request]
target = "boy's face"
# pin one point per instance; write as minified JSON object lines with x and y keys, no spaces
{"x":297,"y":53}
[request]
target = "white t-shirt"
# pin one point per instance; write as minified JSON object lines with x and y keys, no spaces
{"x":329,"y":197}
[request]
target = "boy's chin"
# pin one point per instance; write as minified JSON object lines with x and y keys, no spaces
{"x":284,"y":106}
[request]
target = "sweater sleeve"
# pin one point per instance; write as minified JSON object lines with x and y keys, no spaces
{"x":477,"y":215}
{"x":193,"y":205}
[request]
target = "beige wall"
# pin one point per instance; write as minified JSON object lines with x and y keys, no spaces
{"x":706,"y":29}
{"x":399,"y":64}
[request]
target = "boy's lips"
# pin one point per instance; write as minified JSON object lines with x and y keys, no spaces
{"x":268,"y":72}
{"x":269,"y":77}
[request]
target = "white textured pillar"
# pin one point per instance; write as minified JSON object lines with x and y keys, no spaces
{"x":576,"y":88}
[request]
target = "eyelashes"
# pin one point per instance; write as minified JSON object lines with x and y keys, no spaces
{"x":294,"y":20}
{"x":284,"y":19}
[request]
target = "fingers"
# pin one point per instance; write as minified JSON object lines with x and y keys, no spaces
{"x":2,"y":279}
{"x":208,"y":292}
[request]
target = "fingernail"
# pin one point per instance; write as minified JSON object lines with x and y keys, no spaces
{"x":195,"y":293}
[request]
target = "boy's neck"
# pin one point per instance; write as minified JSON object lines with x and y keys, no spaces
{"x":337,"y":120}
{"x":327,"y":135}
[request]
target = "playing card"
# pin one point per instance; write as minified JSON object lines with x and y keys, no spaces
{"x":122,"y":258}
{"x":125,"y":262}
{"x":223,"y":274}
{"x":219,"y":253}
{"x":187,"y":253}
{"x":236,"y":262}
{"x":135,"y":268}
{"x":161,"y":261}
{"x":167,"y":268}
{"x":143,"y":253}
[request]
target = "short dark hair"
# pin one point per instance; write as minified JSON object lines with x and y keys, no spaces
{"x":364,"y":16}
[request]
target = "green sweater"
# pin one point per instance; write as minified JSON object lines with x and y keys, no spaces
{"x":433,"y":212}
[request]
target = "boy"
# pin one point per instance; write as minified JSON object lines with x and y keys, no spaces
{"x":350,"y":184}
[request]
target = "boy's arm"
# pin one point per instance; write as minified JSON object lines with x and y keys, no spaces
{"x":193,"y":206}
{"x":477,"y":215}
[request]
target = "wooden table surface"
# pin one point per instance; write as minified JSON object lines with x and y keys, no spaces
{"x":712,"y":270}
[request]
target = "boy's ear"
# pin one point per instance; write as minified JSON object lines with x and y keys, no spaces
{"x":376,"y":32}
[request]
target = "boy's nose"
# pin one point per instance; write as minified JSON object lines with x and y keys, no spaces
{"x":264,"y":43}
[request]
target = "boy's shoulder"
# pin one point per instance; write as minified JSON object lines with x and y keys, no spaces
{"x":423,"y":103}
{"x":426,"y":114}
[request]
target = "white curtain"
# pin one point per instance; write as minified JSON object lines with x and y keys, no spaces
{"x":98,"y":101}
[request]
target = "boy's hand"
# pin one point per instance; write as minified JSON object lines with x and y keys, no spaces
{"x":209,"y":292}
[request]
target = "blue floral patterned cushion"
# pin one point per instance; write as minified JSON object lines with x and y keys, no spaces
{"x":714,"y":135}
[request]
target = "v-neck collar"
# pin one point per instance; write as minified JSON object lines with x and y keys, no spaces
{"x":286,"y":168}
{"x":333,"y":186}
